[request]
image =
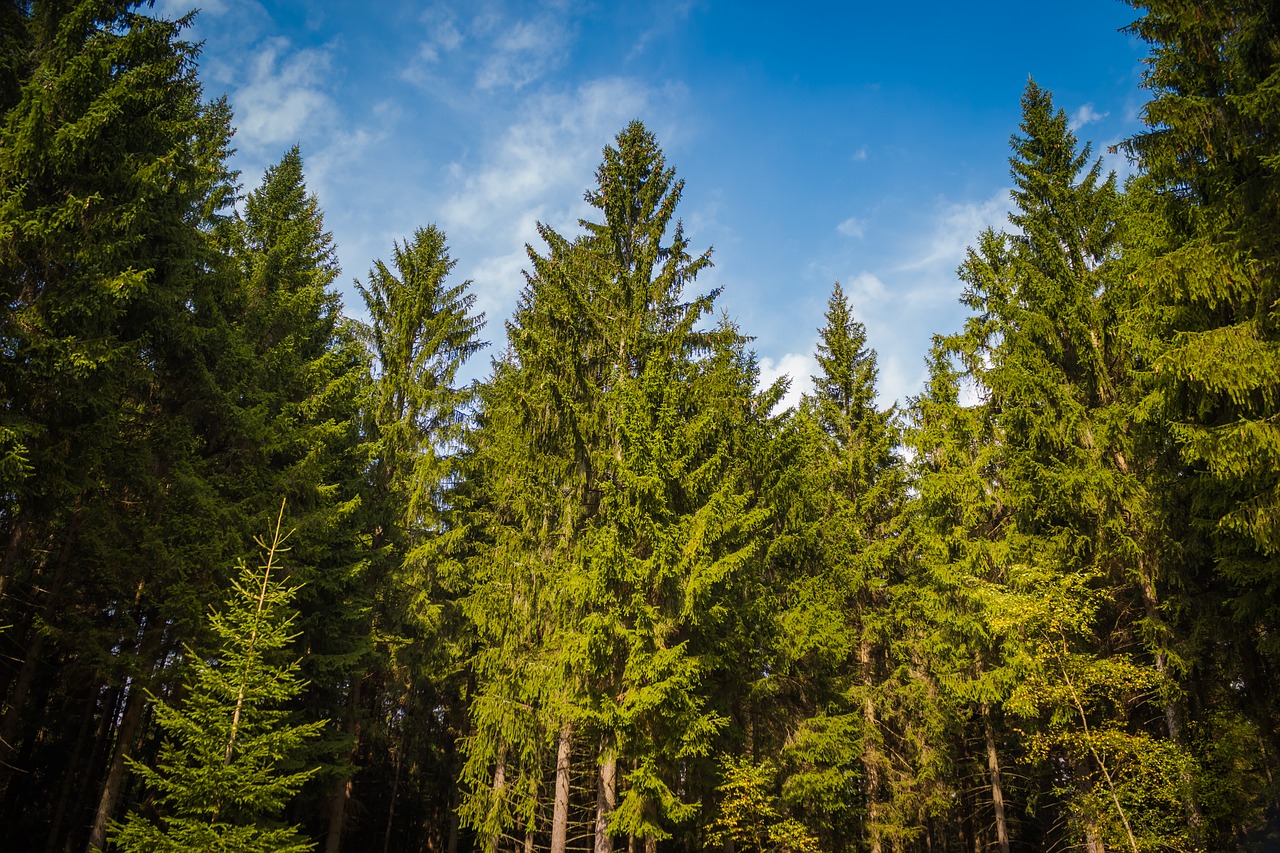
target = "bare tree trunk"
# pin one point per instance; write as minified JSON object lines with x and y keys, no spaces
{"x":870,"y":754}
{"x":10,"y":558}
{"x":75,"y":767}
{"x":499,"y":785}
{"x":1092,"y":840}
{"x":21,"y":690}
{"x":606,"y":799}
{"x":560,"y":814}
{"x":395,"y":789}
{"x":997,"y":792}
{"x":126,"y":736}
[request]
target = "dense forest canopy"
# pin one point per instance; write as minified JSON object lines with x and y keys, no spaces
{"x":275,"y":579}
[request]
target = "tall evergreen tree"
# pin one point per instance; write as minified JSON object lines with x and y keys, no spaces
{"x":840,"y":552}
{"x":1078,"y":523}
{"x":618,"y":519}
{"x":111,"y":172}
{"x":422,"y":330}
{"x":296,"y":379}
{"x":1207,"y":261}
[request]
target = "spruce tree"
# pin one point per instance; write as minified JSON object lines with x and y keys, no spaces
{"x":1076,"y":521}
{"x":227,"y":763}
{"x":296,"y":376}
{"x":838,"y":547}
{"x":112,"y":174}
{"x":422,"y":330}
{"x":1206,"y":259}
{"x":618,"y":516}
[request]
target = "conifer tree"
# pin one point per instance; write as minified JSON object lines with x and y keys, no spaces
{"x":224,"y":771}
{"x":1205,"y":256}
{"x":840,"y":550}
{"x":295,"y":375}
{"x":111,"y":175}
{"x":1076,"y":521}
{"x":422,"y":330}
{"x":618,"y":516}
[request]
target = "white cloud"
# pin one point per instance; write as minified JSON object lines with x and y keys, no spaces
{"x":864,"y":291}
{"x":536,"y":171}
{"x":443,"y":35}
{"x":860,"y":154}
{"x":957,"y":227}
{"x":799,"y":366}
{"x":852,"y":227}
{"x":280,"y":99}
{"x":523,"y":52}
{"x":1085,"y":115}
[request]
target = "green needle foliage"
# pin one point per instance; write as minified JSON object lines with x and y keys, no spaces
{"x":225,"y":769}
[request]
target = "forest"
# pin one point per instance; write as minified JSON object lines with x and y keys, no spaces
{"x":275,"y":579}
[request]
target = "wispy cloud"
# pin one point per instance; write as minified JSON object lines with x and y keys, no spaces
{"x":859,"y":155}
{"x":280,"y":97}
{"x":536,"y":171}
{"x":524,"y":51}
{"x":443,"y":35}
{"x":852,"y":227}
{"x":957,"y":226}
{"x":1086,"y":114}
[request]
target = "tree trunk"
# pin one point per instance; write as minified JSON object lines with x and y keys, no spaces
{"x":21,"y":690}
{"x":997,"y":792}
{"x":499,"y":784}
{"x":74,"y":768}
{"x":606,"y":799}
{"x":395,"y":790}
{"x":560,"y":814}
{"x":10,"y":558}
{"x":340,"y":793}
{"x":126,"y":737}
{"x":870,"y":754}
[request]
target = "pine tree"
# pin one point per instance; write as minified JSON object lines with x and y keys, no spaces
{"x":421,"y":332}
{"x":224,"y":771}
{"x":1080,"y":532}
{"x":618,"y":516}
{"x":296,"y":376}
{"x":1210,"y":326}
{"x":838,"y":546}
{"x":111,"y":176}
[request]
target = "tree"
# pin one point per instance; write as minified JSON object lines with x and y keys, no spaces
{"x":839,"y":544}
{"x":618,"y":517}
{"x":1077,"y":522}
{"x":224,"y":774}
{"x":1206,"y":259}
{"x":422,"y":330}
{"x":296,"y":375}
{"x":111,"y":176}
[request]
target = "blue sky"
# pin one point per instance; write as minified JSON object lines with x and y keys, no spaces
{"x":864,"y":142}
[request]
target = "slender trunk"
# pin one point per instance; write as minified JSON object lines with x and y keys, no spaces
{"x":339,"y":794}
{"x":1092,"y":839}
{"x":499,"y":788}
{"x":528,"y":842}
{"x":997,"y":792}
{"x":73,"y":770}
{"x":606,"y":799}
{"x":395,"y":789}
{"x":126,"y":738}
{"x":21,"y":690}
{"x":10,"y":558}
{"x":560,"y":814}
{"x":870,"y":753}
